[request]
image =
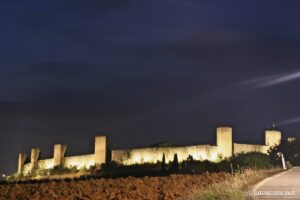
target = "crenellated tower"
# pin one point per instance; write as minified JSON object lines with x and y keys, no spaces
{"x":224,"y":141}
{"x":272,"y":137}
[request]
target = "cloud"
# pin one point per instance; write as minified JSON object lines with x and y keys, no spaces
{"x":290,"y":121}
{"x":272,"y":80}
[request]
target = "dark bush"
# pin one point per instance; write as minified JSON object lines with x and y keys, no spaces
{"x":110,"y":166}
{"x":255,"y":160}
{"x":224,"y":165}
{"x":290,"y":150}
{"x":61,"y":169}
{"x":113,"y":169}
{"x":234,"y":164}
{"x":191,"y":166}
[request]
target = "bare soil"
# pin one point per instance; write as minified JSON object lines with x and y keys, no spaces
{"x":160,"y":188}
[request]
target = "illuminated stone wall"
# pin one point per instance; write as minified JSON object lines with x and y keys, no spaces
{"x":84,"y":161}
{"x":152,"y":155}
{"x":81,"y":161}
{"x":198,"y":152}
{"x":35,"y":154}
{"x":59,"y":153}
{"x":46,"y":163}
{"x":100,"y":149}
{"x":224,"y":148}
{"x":21,"y":161}
{"x":272,"y":137}
{"x":224,"y":141}
{"x":43,"y":164}
{"x":245,"y":148}
{"x":291,"y":139}
{"x":27,"y":167}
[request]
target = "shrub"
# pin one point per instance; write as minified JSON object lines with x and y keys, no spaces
{"x":61,"y":169}
{"x":290,"y":150}
{"x":112,"y":165}
{"x":236,"y":163}
{"x":33,"y":172}
{"x":42,"y":172}
{"x":191,"y":166}
{"x":15,"y":177}
{"x":255,"y":160}
{"x":224,"y":165}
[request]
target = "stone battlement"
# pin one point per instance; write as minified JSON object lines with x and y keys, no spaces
{"x":224,"y":148}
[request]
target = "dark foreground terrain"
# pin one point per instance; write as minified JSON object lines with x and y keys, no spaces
{"x":169,"y":187}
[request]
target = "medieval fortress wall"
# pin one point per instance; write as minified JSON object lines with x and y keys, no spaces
{"x":82,"y":161}
{"x":224,"y":148}
{"x":154,"y":154}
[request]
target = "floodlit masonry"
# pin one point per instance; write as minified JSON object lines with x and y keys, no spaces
{"x":224,"y":148}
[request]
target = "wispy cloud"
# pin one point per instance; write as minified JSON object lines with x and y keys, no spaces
{"x":272,"y":80}
{"x":289,"y":121}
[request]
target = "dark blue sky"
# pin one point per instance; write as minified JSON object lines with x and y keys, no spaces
{"x":145,"y":71}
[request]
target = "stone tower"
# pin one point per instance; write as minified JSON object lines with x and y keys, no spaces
{"x":21,"y":160}
{"x":224,"y":141}
{"x":35,"y":153}
{"x":272,"y":137}
{"x":100,"y":149}
{"x":59,"y":154}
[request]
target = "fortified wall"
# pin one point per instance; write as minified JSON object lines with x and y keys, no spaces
{"x":82,"y":161}
{"x":224,"y":148}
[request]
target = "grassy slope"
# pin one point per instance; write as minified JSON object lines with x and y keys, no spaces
{"x":233,"y":188}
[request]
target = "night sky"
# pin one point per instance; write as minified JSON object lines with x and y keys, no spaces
{"x":143,"y":72}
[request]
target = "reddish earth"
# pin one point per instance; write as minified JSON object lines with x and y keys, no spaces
{"x":160,"y":188}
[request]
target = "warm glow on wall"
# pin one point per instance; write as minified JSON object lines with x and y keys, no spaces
{"x":49,"y":165}
{"x":196,"y":156}
{"x":85,"y":161}
{"x":214,"y":156}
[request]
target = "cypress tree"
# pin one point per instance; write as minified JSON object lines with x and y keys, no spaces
{"x":163,"y":164}
{"x":175,"y":165}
